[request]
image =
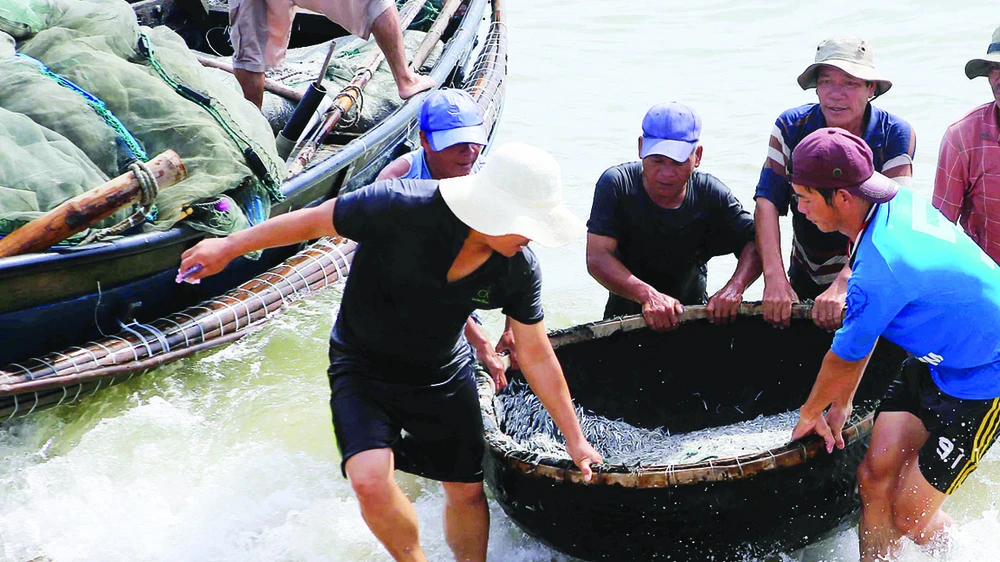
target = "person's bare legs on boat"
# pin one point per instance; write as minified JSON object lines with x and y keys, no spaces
{"x":896,"y":499}
{"x":387,"y":511}
{"x":389,"y":37}
{"x":256,"y":33}
{"x":252,"y":84}
{"x":466,"y":520}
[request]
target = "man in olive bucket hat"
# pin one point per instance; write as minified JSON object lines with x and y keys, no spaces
{"x":403,"y":394}
{"x":967,"y":180}
{"x":846,"y":82}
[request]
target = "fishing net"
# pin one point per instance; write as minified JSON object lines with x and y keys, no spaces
{"x":161,"y":98}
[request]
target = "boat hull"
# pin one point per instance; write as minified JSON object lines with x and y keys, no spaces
{"x":70,"y":296}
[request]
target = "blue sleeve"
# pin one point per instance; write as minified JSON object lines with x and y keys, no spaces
{"x":874,"y":298}
{"x":773,"y":184}
{"x":900,"y":139}
{"x":362,"y":214}
{"x":603,"y":213}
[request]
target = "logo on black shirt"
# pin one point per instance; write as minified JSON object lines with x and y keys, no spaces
{"x":482,"y":297}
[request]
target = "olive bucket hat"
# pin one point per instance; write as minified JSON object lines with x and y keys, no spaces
{"x":981,"y":67}
{"x":850,"y":54}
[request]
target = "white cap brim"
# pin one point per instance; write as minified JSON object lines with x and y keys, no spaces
{"x":491,"y":211}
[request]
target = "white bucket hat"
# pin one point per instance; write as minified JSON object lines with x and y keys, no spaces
{"x":850,"y":54}
{"x":981,"y":67}
{"x":518,"y":191}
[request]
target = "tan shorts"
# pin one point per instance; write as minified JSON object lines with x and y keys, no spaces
{"x":260,"y":29}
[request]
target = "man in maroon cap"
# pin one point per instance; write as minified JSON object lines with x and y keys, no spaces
{"x":920,"y":282}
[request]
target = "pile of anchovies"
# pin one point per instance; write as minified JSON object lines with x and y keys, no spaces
{"x":523,"y":418}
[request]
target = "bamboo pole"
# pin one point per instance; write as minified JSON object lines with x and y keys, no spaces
{"x":276,"y":88}
{"x":434,"y":33}
{"x":80,"y":212}
{"x":234,"y":312}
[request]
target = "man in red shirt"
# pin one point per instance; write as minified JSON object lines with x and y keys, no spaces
{"x":967,"y":185}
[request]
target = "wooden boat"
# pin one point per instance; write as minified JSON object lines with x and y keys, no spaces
{"x":113,"y":294}
{"x":698,"y":376}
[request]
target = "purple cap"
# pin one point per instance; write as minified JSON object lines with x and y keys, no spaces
{"x":832,"y":158}
{"x":449,"y":117}
{"x":670,"y":129}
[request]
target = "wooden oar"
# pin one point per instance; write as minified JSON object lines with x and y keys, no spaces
{"x":85,"y":209}
{"x":347,"y":96}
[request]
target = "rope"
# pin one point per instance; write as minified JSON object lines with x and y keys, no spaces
{"x":144,"y":209}
{"x":357,"y":100}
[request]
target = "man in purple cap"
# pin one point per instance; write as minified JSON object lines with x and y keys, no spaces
{"x":920,"y":282}
{"x":846,"y":82}
{"x":967,"y":184}
{"x":656,"y":222}
{"x":452,"y":136}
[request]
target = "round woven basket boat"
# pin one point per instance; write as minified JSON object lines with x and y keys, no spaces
{"x":698,"y":376}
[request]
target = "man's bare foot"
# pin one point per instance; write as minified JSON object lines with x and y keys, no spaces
{"x":414,"y":84}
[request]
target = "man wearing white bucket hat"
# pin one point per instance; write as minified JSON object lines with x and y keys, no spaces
{"x":968,"y":175}
{"x":452,"y":137}
{"x":846,"y":81}
{"x":403,"y":394}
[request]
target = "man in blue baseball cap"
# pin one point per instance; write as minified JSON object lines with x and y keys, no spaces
{"x":452,"y":134}
{"x":656,"y":222}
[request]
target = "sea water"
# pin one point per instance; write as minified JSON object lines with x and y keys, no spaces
{"x":229,"y":455}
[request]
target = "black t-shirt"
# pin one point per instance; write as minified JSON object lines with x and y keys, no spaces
{"x":399,"y":317}
{"x":667,"y":248}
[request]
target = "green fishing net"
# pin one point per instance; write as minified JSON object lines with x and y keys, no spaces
{"x":152,"y":85}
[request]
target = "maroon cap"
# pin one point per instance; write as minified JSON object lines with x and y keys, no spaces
{"x":832,"y":158}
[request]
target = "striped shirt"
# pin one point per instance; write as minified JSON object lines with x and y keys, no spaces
{"x":818,"y":257}
{"x":967,"y":185}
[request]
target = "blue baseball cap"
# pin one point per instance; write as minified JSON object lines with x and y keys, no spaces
{"x":449,"y":117}
{"x":670,"y":129}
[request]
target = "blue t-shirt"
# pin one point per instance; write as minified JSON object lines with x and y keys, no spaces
{"x":399,"y":314}
{"x":922,"y":283}
{"x":667,"y":248}
{"x":818,"y":257}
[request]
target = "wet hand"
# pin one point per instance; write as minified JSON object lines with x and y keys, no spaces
{"x":661,"y":312}
{"x":494,"y":364}
{"x":506,"y":344}
{"x":212,"y":254}
{"x":724,"y":306}
{"x":584,"y":455}
{"x":828,"y":309}
{"x":777,"y":304}
{"x":815,"y":423}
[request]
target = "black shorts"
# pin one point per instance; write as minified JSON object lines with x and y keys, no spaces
{"x":961,"y":431}
{"x":435,"y":431}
